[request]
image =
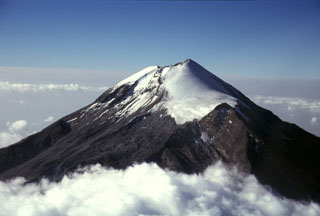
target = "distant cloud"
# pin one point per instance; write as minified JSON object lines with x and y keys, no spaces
{"x":25,"y":87}
{"x":146,"y":189}
{"x":87,"y":77}
{"x":314,"y":120}
{"x":292,"y":103}
{"x":304,"y":112}
{"x":17,"y":125}
{"x":14,"y":133}
{"x":49,"y":119}
{"x":39,"y":105}
{"x":8,"y":138}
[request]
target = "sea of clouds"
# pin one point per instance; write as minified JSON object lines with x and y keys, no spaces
{"x":146,"y":189}
{"x":305,"y":112}
{"x":25,"y":87}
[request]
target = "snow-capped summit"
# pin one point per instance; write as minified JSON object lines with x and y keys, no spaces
{"x":191,"y":91}
{"x":181,"y":117}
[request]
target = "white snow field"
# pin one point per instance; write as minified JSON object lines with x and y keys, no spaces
{"x":192,"y":90}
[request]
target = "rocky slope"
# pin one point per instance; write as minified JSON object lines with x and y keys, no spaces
{"x":183,"y":118}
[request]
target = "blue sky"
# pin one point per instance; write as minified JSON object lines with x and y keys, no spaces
{"x":236,"y":38}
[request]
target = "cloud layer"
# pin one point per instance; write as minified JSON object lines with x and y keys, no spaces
{"x":146,"y":189}
{"x":87,"y":77}
{"x":304,"y":112}
{"x":292,"y":103}
{"x":25,"y":87}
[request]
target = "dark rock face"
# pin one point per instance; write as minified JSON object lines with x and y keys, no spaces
{"x":279,"y":154}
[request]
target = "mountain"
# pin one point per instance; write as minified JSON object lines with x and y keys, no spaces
{"x":181,"y":117}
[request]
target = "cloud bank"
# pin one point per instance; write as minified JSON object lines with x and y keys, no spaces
{"x":85,"y":77}
{"x":146,"y":189}
{"x":25,"y":87}
{"x":305,"y":112}
{"x":292,"y":103}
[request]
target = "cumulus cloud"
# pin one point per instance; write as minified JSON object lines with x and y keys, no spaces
{"x":146,"y":189}
{"x":8,"y":138}
{"x":25,"y":87}
{"x":17,"y":125}
{"x":15,"y":132}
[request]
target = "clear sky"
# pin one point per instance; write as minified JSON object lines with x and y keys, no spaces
{"x":238,"y":38}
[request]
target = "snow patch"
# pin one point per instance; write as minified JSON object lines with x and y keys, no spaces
{"x":71,"y":120}
{"x":138,"y":75}
{"x":193,"y":92}
{"x":204,"y":137}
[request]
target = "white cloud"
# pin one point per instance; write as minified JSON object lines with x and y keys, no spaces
{"x":302,"y":111}
{"x":15,"y":132}
{"x":146,"y":189}
{"x":290,"y":108}
{"x":49,"y":119}
{"x":25,"y":87}
{"x":17,"y":125}
{"x":292,"y":103}
{"x":314,"y":120}
{"x":8,"y":138}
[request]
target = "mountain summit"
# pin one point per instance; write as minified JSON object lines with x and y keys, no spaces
{"x":187,"y":91}
{"x":181,"y":117}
